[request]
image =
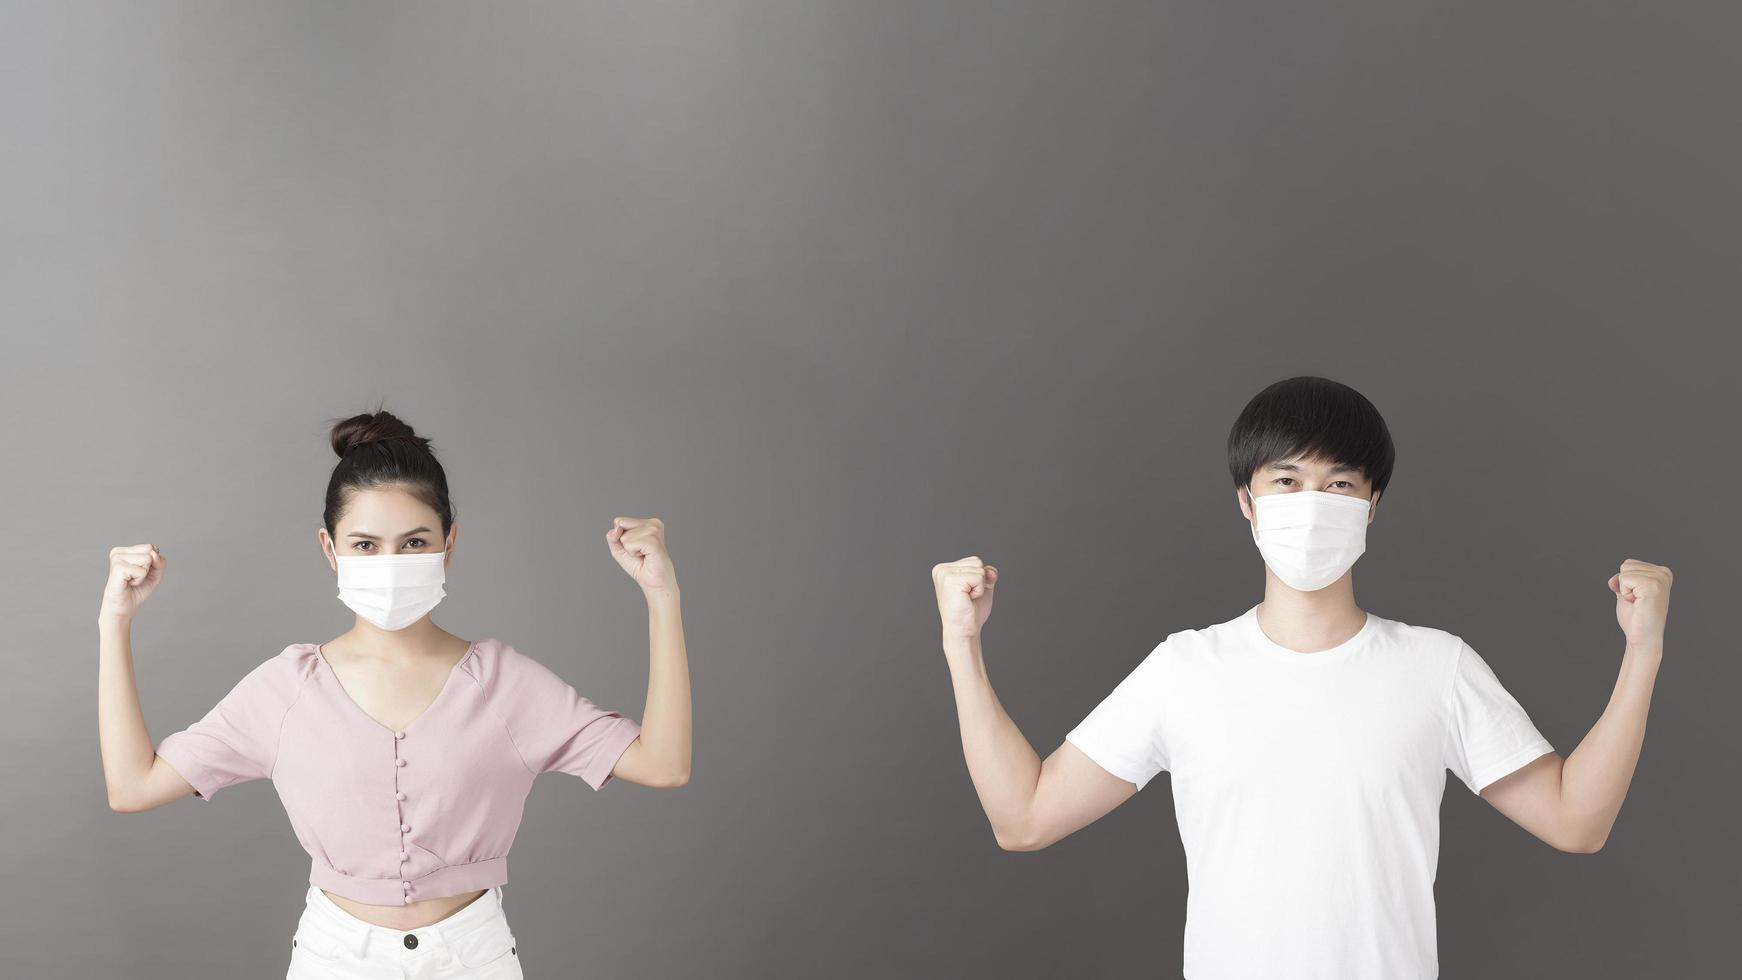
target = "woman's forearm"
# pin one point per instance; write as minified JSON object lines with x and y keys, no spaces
{"x":666,"y":721}
{"x":123,"y":741}
{"x":1003,"y":765}
{"x":1595,"y":777}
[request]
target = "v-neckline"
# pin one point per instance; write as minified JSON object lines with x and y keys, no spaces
{"x":346,"y":695}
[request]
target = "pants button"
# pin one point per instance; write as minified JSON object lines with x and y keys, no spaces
{"x":410,"y":941}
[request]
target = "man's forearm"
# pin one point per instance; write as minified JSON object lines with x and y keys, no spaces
{"x":1004,"y":767}
{"x":1595,"y":777}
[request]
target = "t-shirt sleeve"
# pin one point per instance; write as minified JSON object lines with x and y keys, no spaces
{"x":1491,"y":735}
{"x":554,"y":727}
{"x":237,"y":740}
{"x":1123,"y":734}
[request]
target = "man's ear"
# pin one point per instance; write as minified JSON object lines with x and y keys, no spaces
{"x":1373,"y":506}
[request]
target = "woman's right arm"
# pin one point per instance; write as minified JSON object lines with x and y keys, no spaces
{"x":134,"y":775}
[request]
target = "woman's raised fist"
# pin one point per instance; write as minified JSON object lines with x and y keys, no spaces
{"x":134,"y":571}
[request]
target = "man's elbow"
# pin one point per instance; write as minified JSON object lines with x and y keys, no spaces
{"x":1584,"y":844}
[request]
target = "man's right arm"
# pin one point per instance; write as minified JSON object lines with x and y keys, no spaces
{"x":1030,"y":804}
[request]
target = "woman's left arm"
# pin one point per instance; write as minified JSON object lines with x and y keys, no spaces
{"x":660,"y":755}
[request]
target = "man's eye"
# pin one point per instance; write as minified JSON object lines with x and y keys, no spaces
{"x":1284,"y":479}
{"x":1346,"y":483}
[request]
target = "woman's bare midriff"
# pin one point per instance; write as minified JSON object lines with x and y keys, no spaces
{"x":405,"y":918}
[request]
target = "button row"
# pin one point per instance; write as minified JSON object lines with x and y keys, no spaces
{"x":404,"y":852}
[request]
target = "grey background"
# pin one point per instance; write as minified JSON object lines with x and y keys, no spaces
{"x":840,"y":290}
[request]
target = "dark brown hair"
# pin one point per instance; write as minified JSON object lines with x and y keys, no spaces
{"x":377,"y":450}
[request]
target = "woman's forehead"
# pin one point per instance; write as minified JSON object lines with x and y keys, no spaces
{"x":385,"y":505}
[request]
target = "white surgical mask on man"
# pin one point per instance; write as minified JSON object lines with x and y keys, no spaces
{"x":392,"y":591}
{"x":1309,"y":538}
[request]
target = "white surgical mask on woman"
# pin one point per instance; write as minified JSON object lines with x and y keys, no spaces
{"x":392,"y":591}
{"x":1309,"y":538}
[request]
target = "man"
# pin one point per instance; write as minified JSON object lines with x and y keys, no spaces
{"x":1308,"y":740}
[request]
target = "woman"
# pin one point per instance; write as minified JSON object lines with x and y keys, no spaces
{"x":402,"y":753}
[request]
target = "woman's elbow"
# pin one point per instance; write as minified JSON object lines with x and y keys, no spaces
{"x":669,"y":778}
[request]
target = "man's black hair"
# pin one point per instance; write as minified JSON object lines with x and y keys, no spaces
{"x":1315,"y":418}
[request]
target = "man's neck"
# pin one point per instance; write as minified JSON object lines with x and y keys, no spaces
{"x":1310,"y":621}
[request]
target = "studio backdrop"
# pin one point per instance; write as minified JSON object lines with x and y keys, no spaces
{"x":840,"y":290}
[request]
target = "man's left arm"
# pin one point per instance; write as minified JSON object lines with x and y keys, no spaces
{"x":1572,"y":803}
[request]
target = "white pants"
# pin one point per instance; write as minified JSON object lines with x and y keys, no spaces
{"x":474,"y":943}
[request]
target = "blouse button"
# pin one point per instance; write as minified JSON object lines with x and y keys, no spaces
{"x":404,"y":827}
{"x":399,"y":796}
{"x":399,"y":762}
{"x":404,"y":857}
{"x":398,"y":734}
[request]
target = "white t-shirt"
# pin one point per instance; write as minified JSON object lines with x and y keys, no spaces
{"x":1307,"y":788}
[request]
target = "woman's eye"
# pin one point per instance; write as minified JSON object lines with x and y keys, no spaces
{"x":361,"y":545}
{"x":1284,"y":479}
{"x":410,"y":543}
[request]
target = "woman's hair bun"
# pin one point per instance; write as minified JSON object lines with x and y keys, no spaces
{"x":377,"y":450}
{"x":377,"y":426}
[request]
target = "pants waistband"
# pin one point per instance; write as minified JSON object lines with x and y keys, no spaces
{"x":358,"y":935}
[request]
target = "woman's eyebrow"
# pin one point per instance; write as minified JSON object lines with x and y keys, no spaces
{"x":360,"y":534}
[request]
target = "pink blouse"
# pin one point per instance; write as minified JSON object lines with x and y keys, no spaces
{"x":393,"y":817}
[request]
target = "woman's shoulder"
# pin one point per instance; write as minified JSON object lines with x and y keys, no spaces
{"x":501,"y":668}
{"x":491,"y":658}
{"x":277,"y":679}
{"x":291,"y":666}
{"x":296,"y":660}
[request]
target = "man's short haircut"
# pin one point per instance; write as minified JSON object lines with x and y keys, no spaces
{"x":1311,"y":417}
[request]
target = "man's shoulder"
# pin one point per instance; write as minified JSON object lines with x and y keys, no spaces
{"x":1198,"y":640}
{"x":1228,"y":628}
{"x":1416,"y":636}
